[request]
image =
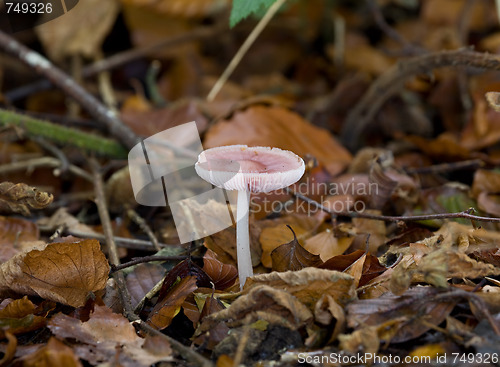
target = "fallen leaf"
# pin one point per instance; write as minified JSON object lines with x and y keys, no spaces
{"x":258,"y":302}
{"x":223,"y":275}
{"x":19,"y":317}
{"x":280,"y":128}
{"x":19,"y":198}
{"x":274,"y":232}
{"x":415,"y":311}
{"x":326,"y":245}
{"x":80,"y":31}
{"x":292,"y":256}
{"x":54,"y":354}
{"x":103,"y":333}
{"x":63,"y":272}
{"x":308,"y":284}
{"x":169,"y":304}
{"x":142,"y":279}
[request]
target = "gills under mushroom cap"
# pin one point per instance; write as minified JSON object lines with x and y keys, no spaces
{"x":255,"y":169}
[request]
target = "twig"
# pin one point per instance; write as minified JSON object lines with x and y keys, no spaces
{"x":58,"y":153}
{"x":195,"y":359}
{"x":447,"y":167}
{"x":132,"y":214}
{"x":131,"y":243}
{"x":43,"y":162}
{"x":147,"y":259}
{"x":119,"y":59}
{"x":62,"y":80}
{"x":110,"y":242}
{"x":244,"y":48}
{"x":391,"y":32}
{"x":393,"y":80}
{"x":394,"y":218}
{"x":474,"y":298}
{"x":62,"y":135}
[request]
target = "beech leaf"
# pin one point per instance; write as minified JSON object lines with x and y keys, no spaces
{"x":292,"y":256}
{"x":223,"y":275}
{"x":101,"y":335}
{"x":61,"y":272}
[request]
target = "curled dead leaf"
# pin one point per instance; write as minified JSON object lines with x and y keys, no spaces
{"x":61,"y":272}
{"x":308,"y":284}
{"x":19,"y":198}
{"x":292,"y":256}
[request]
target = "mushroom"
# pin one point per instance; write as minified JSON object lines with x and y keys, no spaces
{"x":248,"y":169}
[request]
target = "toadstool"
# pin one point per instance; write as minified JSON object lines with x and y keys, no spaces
{"x":248,"y":169}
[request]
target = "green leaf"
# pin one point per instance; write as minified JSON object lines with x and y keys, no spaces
{"x":243,"y":8}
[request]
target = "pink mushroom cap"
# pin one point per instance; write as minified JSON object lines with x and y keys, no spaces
{"x":255,"y":169}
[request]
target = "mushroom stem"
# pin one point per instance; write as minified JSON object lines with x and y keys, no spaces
{"x":245,"y":268}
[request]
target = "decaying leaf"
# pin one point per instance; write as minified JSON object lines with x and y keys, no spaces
{"x":223,"y":275}
{"x":262,"y":302}
{"x":19,"y":317}
{"x":55,"y":353}
{"x":19,"y":198}
{"x":169,"y":304}
{"x":292,"y":256}
{"x":80,"y":31}
{"x":414,"y":313}
{"x":142,"y":279}
{"x":308,"y":284}
{"x":101,"y":335}
{"x":61,"y":272}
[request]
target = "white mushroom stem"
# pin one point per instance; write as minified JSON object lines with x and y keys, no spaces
{"x":245,"y":268}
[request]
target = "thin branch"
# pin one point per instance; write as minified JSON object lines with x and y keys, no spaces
{"x":244,"y":48}
{"x":110,"y":242}
{"x":63,"y":81}
{"x":391,"y":82}
{"x":394,"y":218}
{"x":62,"y":134}
{"x":120,"y":59}
{"x":194,"y":359}
{"x":43,"y":162}
{"x":447,"y":167}
{"x":390,"y":31}
{"x":148,"y":259}
{"x":137,"y":219}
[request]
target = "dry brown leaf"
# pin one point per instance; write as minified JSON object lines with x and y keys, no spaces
{"x":308,"y":284}
{"x":103,"y":332}
{"x":280,"y":128}
{"x":142,"y":279}
{"x":292,"y":256}
{"x":365,"y":340}
{"x":80,"y":31}
{"x":260,"y":300}
{"x":326,"y":245}
{"x":61,"y":272}
{"x":19,"y":198}
{"x":223,"y":275}
{"x":274,"y":232}
{"x":326,"y":311}
{"x":414,"y":313}
{"x":54,"y":354}
{"x":18,"y":317}
{"x":169,"y":305}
